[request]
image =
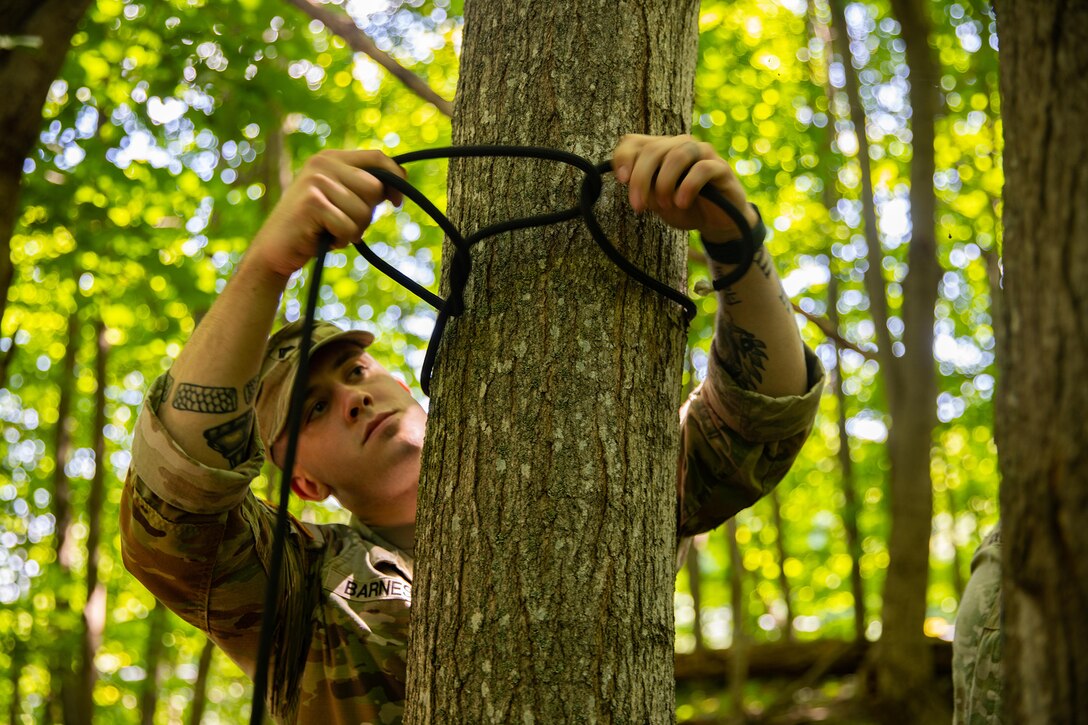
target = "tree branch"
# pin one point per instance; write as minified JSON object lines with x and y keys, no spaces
{"x":343,"y":26}
{"x":831,"y":333}
{"x":694,"y":255}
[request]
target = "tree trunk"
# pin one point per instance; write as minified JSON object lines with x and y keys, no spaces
{"x":17,"y":660}
{"x":6,"y":358}
{"x":904,"y":665}
{"x":62,"y":446}
{"x":783,"y":579}
{"x":94,"y":612}
{"x":149,"y":695}
{"x":1042,"y":434}
{"x":738,"y":661}
{"x":846,"y":467}
{"x":26,"y":73}
{"x":200,"y":687}
{"x":547,"y":501}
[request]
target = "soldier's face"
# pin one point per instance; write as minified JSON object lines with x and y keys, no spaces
{"x":362,"y":434}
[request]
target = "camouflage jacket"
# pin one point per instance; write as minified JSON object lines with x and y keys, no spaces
{"x":200,"y":541}
{"x":977,"y":677}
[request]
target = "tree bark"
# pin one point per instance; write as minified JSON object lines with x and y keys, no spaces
{"x":547,"y":501}
{"x":1042,"y":434}
{"x":26,"y":72}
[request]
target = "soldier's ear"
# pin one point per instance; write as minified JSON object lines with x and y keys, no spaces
{"x":308,"y":489}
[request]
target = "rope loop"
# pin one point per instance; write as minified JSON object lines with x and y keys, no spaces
{"x":461,"y":263}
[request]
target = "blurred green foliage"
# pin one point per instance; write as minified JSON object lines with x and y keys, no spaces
{"x":168,"y":135}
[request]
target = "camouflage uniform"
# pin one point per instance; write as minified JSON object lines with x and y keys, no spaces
{"x":200,"y":541}
{"x":976,"y":651}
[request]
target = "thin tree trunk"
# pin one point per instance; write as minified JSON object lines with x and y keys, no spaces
{"x":904,"y":663}
{"x":547,"y":499}
{"x":6,"y":359}
{"x":94,"y":612}
{"x":18,"y":660}
{"x":26,"y":72}
{"x":62,"y":446}
{"x":64,"y":681}
{"x":1042,"y":433}
{"x":738,"y":669}
{"x":200,"y":687}
{"x":783,"y":579}
{"x":149,"y":695}
{"x":846,"y":466}
{"x":695,"y":584}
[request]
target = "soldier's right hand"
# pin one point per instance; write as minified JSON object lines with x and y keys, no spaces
{"x":331,"y":193}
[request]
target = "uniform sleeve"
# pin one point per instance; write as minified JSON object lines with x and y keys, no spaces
{"x":736,"y":445}
{"x":199,"y":540}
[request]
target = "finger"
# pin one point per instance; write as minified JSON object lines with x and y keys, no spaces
{"x":673,"y":167}
{"x":623,"y":156}
{"x":708,"y":171}
{"x":364,"y":185}
{"x":360,"y":159}
{"x":645,"y":167}
{"x":330,"y":217}
{"x":359,"y":209}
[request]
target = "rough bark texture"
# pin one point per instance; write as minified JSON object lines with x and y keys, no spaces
{"x":1042,"y":433}
{"x":544,"y":580}
{"x":25,"y":76}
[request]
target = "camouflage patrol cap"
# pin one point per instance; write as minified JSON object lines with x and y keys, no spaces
{"x":279,"y":368}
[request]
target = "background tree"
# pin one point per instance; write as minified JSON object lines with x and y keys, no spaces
{"x":34,"y":39}
{"x":1041,"y":429}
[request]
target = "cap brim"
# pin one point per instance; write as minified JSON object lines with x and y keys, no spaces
{"x":361,"y":337}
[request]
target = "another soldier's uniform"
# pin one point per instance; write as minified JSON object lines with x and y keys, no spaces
{"x":976,"y":652}
{"x":201,"y":542}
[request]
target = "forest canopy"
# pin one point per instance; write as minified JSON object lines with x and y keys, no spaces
{"x":173,"y":127}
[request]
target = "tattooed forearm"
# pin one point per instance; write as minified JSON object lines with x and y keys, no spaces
{"x":231,"y":440}
{"x":251,"y":388}
{"x":205,"y":399}
{"x":742,"y":354}
{"x":730,"y":297}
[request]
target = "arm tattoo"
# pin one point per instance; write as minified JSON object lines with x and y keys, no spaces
{"x":231,"y":440}
{"x":159,"y":396}
{"x":763,"y":261}
{"x":251,"y":388}
{"x":730,"y":296}
{"x":742,"y":354}
{"x":204,"y":399}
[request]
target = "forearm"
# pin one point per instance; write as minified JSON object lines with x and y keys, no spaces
{"x":207,"y":406}
{"x":756,"y":338}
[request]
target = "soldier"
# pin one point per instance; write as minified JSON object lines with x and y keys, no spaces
{"x":195,"y":535}
{"x":977,"y":677}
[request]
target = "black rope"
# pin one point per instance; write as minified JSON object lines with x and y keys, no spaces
{"x":739,"y":252}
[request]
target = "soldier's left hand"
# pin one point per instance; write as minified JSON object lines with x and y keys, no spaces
{"x":652,"y":168}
